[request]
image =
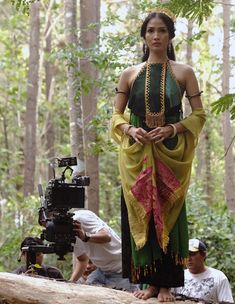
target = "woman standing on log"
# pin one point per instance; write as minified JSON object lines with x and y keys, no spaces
{"x":156,"y":152}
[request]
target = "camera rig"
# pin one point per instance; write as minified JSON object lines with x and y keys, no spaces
{"x":63,"y":196}
{"x":54,"y":213}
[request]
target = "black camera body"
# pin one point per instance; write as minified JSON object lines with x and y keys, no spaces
{"x":59,"y":233}
{"x":60,"y":195}
{"x":54,"y":213}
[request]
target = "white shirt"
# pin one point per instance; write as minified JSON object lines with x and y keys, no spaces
{"x":106,"y":256}
{"x":211,"y":286}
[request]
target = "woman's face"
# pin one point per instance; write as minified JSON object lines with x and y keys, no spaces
{"x":157,"y":35}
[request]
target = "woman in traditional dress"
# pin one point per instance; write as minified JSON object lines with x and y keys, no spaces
{"x":156,"y":152}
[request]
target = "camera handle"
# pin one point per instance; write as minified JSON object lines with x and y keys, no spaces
{"x":42,"y":214}
{"x":41,"y":195}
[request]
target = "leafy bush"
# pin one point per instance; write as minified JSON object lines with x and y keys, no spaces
{"x":226,"y":102}
{"x":215,"y":225}
{"x":20,"y":219}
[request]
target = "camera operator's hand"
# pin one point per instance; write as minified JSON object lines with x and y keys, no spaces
{"x":33,"y":270}
{"x":78,"y":230}
{"x":30,"y":271}
{"x":100,"y":237}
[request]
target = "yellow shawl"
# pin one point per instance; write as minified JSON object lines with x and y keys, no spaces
{"x":135,"y":159}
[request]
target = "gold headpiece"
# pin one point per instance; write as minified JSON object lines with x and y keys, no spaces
{"x":165,"y":11}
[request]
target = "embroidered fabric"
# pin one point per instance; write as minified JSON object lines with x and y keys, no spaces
{"x":156,"y":195}
{"x":173,"y":93}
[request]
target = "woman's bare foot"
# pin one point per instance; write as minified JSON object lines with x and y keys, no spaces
{"x":147,"y":293}
{"x":165,"y":295}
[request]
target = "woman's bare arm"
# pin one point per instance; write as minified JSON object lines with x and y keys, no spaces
{"x":123,"y":91}
{"x":193,"y":93}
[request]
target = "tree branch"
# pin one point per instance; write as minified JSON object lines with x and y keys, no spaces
{"x":226,"y":152}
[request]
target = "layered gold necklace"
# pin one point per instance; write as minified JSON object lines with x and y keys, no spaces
{"x":155,"y":119}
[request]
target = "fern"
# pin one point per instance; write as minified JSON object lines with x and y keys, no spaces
{"x":226,"y":102}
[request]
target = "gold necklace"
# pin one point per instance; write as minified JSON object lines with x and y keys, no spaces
{"x":155,"y":119}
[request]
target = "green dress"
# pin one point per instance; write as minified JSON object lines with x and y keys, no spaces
{"x":150,"y":264}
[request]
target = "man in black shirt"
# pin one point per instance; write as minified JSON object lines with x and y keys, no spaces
{"x":38,"y":268}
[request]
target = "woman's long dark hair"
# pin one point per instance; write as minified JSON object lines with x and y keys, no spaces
{"x":171,"y":30}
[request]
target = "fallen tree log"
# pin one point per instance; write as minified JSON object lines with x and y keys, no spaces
{"x":23,"y":289}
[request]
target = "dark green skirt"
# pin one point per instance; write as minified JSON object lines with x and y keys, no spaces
{"x":150,"y":264}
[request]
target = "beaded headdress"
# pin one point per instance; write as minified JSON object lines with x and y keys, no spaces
{"x":165,"y":11}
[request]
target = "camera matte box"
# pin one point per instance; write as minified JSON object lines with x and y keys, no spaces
{"x":65,"y":196}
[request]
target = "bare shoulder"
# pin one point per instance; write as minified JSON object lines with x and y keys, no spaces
{"x":133,"y":69}
{"x":130,"y":73}
{"x":182,"y":67}
{"x":182,"y":71}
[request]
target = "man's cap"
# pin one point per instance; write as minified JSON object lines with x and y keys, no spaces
{"x":31,"y":241}
{"x":196,"y":245}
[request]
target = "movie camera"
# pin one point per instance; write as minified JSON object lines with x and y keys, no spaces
{"x":54,"y":214}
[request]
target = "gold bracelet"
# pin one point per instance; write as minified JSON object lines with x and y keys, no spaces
{"x":125,"y":131}
{"x":174,"y":130}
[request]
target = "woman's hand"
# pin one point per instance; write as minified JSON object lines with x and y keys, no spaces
{"x":160,"y":133}
{"x":139,"y":135}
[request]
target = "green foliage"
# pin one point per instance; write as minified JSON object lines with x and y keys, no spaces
{"x":12,"y":98}
{"x":197,"y":10}
{"x":215,"y":225}
{"x":195,"y":37}
{"x":115,"y":51}
{"x":226,"y":102}
{"x":20,"y":219}
{"x":233,"y":25}
{"x":194,"y":10}
{"x":110,"y":190}
{"x":23,"y":5}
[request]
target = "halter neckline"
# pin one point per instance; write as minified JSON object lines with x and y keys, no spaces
{"x":152,"y":63}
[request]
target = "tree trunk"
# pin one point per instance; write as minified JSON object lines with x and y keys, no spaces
{"x":187,"y":107}
{"x":6,"y":140}
{"x":75,"y":108}
{"x":204,"y":147}
{"x":200,"y":164}
{"x":31,"y":105}
{"x":90,"y":14}
{"x":22,"y":289}
{"x":209,"y":179}
{"x":227,"y":129}
{"x":49,"y":75}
